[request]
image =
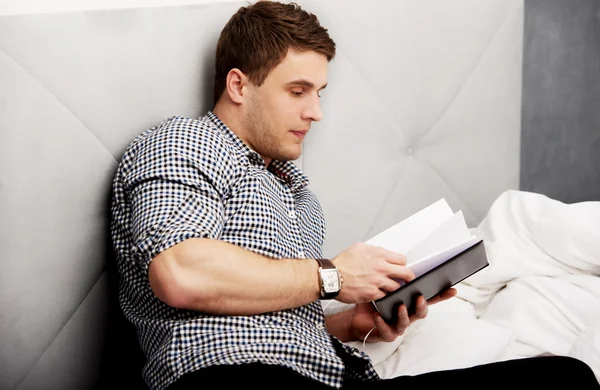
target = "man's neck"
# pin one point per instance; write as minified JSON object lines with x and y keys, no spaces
{"x":230,"y":119}
{"x":234,"y":123}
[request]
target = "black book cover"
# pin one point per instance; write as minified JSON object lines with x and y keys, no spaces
{"x":433,"y":282}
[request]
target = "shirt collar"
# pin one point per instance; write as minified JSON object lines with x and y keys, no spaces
{"x":285,"y":170}
{"x":236,"y":142}
{"x":289,"y":173}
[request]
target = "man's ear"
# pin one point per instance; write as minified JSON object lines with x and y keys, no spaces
{"x":235,"y":84}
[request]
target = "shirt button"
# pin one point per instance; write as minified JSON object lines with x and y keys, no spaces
{"x":301,"y":254}
{"x":320,"y":326}
{"x":292,"y":214}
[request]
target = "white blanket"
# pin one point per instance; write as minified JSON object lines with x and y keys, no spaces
{"x":540,"y":294}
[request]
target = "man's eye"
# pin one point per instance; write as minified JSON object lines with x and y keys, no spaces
{"x":296,"y":93}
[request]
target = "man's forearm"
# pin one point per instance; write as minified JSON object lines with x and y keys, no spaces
{"x":220,"y":278}
{"x":338,"y":325}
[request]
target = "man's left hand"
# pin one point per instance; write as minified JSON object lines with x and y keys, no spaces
{"x":365,"y":317}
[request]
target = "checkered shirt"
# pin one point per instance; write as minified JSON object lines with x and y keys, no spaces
{"x":195,"y":178}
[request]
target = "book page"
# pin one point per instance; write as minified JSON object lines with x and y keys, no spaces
{"x":450,"y":233}
{"x":406,"y":234}
{"x":425,"y":264}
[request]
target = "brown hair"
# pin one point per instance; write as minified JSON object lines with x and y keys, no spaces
{"x":257,"y":37}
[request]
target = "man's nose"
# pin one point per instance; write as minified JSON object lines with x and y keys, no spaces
{"x":313,"y":110}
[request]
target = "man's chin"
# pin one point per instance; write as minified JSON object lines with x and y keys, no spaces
{"x":290,"y":154}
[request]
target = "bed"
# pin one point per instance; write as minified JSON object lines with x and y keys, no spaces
{"x":539,"y":295}
{"x":425,"y":106}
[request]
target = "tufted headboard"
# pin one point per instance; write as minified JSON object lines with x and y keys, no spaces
{"x":424,"y":102}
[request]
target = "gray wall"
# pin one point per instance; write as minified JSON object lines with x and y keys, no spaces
{"x":560,"y":155}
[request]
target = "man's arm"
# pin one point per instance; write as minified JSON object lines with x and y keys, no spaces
{"x":217,"y":277}
{"x":363,"y":320}
{"x":338,"y":325}
{"x":174,"y":195}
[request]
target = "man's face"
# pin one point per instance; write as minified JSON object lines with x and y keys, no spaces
{"x":279,"y":113}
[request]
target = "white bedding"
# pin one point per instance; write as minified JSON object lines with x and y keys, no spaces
{"x":540,"y":294}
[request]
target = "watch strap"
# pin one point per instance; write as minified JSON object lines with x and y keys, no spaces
{"x":327,"y":264}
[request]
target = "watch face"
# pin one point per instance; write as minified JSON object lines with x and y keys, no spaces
{"x":331,"y":282}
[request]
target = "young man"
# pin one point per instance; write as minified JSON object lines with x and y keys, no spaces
{"x":218,"y":237}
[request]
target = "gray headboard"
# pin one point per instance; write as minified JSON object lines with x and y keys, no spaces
{"x":424,"y":102}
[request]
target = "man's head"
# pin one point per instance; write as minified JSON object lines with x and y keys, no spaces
{"x":271,"y":64}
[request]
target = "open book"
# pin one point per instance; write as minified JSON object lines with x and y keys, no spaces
{"x":439,"y":249}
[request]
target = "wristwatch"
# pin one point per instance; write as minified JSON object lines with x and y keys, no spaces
{"x":329,"y":278}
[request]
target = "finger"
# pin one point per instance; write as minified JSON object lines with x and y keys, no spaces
{"x":376,"y":293}
{"x":450,"y":293}
{"x":403,"y":320}
{"x":386,"y":332}
{"x":388,"y":285}
{"x":445,"y":295}
{"x":434,"y":299}
{"x":420,"y":309}
{"x":393,"y":257}
{"x":400,"y":272}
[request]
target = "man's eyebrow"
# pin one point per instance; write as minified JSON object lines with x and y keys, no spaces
{"x":303,"y":83}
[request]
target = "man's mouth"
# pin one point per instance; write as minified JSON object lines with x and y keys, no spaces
{"x":300,"y":133}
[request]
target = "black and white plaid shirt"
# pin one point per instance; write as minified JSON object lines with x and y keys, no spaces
{"x":195,"y":178}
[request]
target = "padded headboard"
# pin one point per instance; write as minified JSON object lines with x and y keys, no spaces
{"x":423,"y":102}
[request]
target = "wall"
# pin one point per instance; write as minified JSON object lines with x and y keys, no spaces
{"x":11,"y":7}
{"x":560,"y":154}
{"x":560,"y":146}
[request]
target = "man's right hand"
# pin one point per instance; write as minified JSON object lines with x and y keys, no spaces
{"x":369,"y":272}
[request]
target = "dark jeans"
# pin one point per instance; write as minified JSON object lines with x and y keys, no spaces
{"x":552,"y":372}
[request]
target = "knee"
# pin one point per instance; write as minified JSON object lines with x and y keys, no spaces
{"x":573,"y":368}
{"x":570,"y":364}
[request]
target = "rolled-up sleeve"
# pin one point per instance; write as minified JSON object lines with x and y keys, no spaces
{"x":157,"y":226}
{"x":175,"y":193}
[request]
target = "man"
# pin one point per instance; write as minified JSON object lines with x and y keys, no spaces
{"x":218,"y":237}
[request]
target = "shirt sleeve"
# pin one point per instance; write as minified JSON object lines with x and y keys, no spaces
{"x":175,"y":192}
